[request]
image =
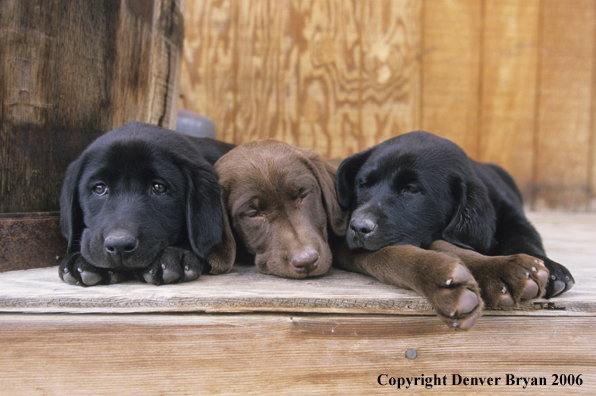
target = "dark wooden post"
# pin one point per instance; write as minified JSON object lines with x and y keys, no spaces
{"x":71,"y":70}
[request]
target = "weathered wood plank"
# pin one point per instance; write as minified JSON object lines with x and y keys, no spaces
{"x":509,"y":81}
{"x":568,"y":239}
{"x":61,"y":85}
{"x":267,"y":71}
{"x":285,"y":355}
{"x":563,"y":123}
{"x":208,"y":80}
{"x":329,"y":82}
{"x":451,"y":70}
{"x":391,"y":71}
{"x":30,"y":241}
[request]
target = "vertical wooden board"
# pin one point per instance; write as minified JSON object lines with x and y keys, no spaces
{"x":164,"y":77}
{"x":391,"y":44}
{"x":133,"y":62}
{"x":329,"y":81}
{"x":267,"y":71}
{"x":563,"y":120}
{"x":207,"y":83}
{"x":510,"y":60}
{"x":451,"y":70}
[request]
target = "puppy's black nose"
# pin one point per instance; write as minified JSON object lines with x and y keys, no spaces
{"x":305,"y":261}
{"x":362,"y":226}
{"x":120,"y":243}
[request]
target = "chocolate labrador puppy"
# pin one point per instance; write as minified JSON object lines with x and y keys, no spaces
{"x":281,"y":203}
{"x":421,"y":190}
{"x":144,"y":200}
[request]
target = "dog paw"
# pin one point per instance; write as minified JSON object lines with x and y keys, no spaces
{"x":456,"y":298}
{"x":175,"y":265}
{"x":75,"y":270}
{"x":505,"y":281}
{"x":560,"y":279}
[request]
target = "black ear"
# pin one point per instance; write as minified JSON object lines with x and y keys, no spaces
{"x":473,"y":224}
{"x":346,"y":174}
{"x":204,"y":215}
{"x":71,"y":214}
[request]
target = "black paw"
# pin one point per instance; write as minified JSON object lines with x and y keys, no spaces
{"x":75,"y":270}
{"x":175,"y":265}
{"x":560,"y":279}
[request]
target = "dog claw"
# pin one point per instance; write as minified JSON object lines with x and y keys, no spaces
{"x":558,"y":286}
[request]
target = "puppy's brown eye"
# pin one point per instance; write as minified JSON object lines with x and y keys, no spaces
{"x":158,"y":189}
{"x":100,"y":189}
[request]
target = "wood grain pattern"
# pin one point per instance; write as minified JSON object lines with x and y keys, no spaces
{"x":451,"y":70}
{"x":563,"y":121}
{"x":267,"y":71}
{"x":509,"y":83}
{"x":391,"y":75}
{"x":329,"y":79}
{"x":208,"y":80}
{"x":284,"y":355}
{"x":70,"y":71}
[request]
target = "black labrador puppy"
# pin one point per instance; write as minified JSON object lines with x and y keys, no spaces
{"x":418,"y":188}
{"x":144,"y":200}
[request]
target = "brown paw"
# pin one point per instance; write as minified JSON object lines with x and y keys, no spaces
{"x":505,"y":281}
{"x":456,"y":298}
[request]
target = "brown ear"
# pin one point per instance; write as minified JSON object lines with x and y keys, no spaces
{"x":325,"y":174}
{"x":222,"y":257}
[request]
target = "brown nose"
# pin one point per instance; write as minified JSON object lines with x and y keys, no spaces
{"x":305,"y":262}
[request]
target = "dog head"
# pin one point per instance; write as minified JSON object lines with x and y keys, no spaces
{"x":135,"y":191}
{"x":280,"y":201}
{"x":414,"y":189}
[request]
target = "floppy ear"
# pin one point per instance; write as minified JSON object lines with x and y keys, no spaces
{"x":204,"y":214}
{"x":325,"y":174}
{"x":346,"y":174}
{"x":71,"y":214}
{"x":473,"y":224}
{"x":222,"y":257}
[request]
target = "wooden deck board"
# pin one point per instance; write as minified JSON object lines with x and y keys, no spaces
{"x":568,"y":238}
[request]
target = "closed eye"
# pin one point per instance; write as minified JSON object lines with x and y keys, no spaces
{"x":302,"y":194}
{"x":411,"y":189}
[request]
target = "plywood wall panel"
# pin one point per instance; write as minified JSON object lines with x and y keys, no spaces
{"x":512,"y":82}
{"x":451,"y":70}
{"x":267,"y":71}
{"x":208,"y":78}
{"x":509,"y":87}
{"x":563,"y":124}
{"x":391,"y":74}
{"x":329,"y":77}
